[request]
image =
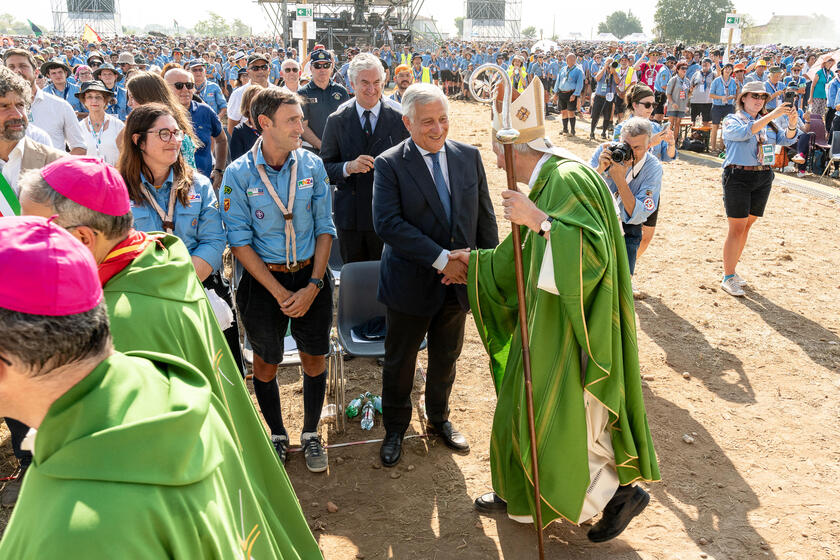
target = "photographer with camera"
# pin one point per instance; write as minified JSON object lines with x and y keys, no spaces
{"x":750,"y":136}
{"x":606,"y":81}
{"x":634,"y":177}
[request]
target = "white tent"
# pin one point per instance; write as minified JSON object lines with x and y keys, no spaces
{"x":605,"y":37}
{"x":544,"y":45}
{"x":636,"y":38}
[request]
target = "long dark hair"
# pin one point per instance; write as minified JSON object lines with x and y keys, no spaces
{"x":131,"y":163}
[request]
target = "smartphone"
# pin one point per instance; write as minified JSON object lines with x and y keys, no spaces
{"x":666,"y":127}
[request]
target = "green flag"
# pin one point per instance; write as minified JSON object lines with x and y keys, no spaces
{"x":35,"y":29}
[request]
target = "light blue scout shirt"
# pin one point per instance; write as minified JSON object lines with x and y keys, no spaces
{"x":692,"y":69}
{"x":553,"y":67}
{"x":662,"y":79}
{"x":537,"y":69}
{"x":771,"y":89}
{"x":199,"y":225}
{"x":119,"y":105}
{"x":721,"y":88}
{"x":831,"y":97}
{"x":753,"y":77}
{"x":569,"y":79}
{"x":660,"y":150}
{"x":212,"y":94}
{"x":69,"y":95}
{"x":252,"y":217}
{"x":606,"y":84}
{"x":742,"y":145}
{"x":645,"y":184}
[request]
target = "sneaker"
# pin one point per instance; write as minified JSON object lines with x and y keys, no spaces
{"x":801,"y":174}
{"x":790,"y":168}
{"x":740,"y":281}
{"x":835,"y":174}
{"x":731,"y":287}
{"x":798,"y":158}
{"x":313,"y":452}
{"x":281,"y":446}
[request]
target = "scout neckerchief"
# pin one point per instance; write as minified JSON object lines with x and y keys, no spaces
{"x":167,"y":218}
{"x":287,"y":213}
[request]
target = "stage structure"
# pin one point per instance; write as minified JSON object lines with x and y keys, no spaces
{"x":492,"y":19}
{"x":70,"y":16}
{"x":345,"y":23}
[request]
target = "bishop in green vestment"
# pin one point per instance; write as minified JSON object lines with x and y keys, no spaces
{"x":592,"y":431}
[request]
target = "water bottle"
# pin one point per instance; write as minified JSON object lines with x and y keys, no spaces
{"x":354,"y":407}
{"x":377,"y":404}
{"x":367,"y":415}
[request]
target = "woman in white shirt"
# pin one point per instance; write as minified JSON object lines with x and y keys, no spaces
{"x":102,"y":132}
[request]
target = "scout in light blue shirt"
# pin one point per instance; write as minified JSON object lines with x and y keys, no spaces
{"x":719,"y":87}
{"x":199,"y":225}
{"x":773,"y":89}
{"x":251,"y":216}
{"x":662,"y":78}
{"x":659,"y":150}
{"x":645,"y":184}
{"x":742,"y":144}
{"x":69,"y":95}
{"x":570,"y":78}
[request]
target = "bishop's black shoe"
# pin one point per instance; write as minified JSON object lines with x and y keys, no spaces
{"x":490,"y":503}
{"x":391,"y":449}
{"x":627,"y":503}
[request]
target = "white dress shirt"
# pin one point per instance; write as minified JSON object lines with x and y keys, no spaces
{"x":58,"y":119}
{"x":443,"y":259}
{"x":11,"y":167}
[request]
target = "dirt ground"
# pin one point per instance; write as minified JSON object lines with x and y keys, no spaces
{"x":760,"y":401}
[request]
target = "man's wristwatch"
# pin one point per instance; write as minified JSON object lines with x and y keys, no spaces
{"x":318,"y":283}
{"x":545,"y":226}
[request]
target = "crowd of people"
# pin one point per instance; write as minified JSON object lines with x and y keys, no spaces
{"x":145,"y":164}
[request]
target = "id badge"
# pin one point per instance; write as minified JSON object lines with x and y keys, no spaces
{"x":766,"y":154}
{"x":610,"y":97}
{"x":682,"y":94}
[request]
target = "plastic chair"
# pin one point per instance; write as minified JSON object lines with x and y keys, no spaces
{"x":334,"y":263}
{"x":834,"y":152}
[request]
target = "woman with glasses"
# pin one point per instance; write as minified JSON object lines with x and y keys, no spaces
{"x":102,"y":132}
{"x":166,"y":193}
{"x":723,"y":91}
{"x":641,"y":103}
{"x":149,"y":87}
{"x":750,"y":136}
{"x":83,"y":74}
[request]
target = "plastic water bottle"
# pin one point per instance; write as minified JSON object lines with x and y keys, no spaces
{"x":354,"y":407}
{"x":367,"y":415}
{"x":377,"y":404}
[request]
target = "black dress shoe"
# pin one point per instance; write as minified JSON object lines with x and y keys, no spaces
{"x":391,"y":449}
{"x":490,"y":503}
{"x":627,"y":503}
{"x":452,"y":438}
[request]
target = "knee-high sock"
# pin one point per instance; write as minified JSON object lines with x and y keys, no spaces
{"x":268,"y":397}
{"x":314,"y":389}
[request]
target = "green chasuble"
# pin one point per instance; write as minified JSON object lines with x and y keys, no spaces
{"x":591,"y":321}
{"x":157,"y":304}
{"x":135,"y":461}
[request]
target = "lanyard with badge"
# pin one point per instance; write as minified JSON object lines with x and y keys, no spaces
{"x":289,"y":227}
{"x":167,"y":218}
{"x":766,"y":152}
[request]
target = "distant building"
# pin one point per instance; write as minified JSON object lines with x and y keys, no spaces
{"x":787,"y":30}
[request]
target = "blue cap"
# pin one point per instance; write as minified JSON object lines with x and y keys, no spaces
{"x":320,"y":56}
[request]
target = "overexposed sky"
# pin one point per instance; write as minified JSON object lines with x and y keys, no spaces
{"x":543,"y":14}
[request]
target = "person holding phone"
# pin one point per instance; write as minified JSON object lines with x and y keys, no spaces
{"x":750,"y":136}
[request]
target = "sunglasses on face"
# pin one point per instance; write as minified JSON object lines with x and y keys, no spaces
{"x":646,"y":104}
{"x":259,"y":68}
{"x":756,"y":95}
{"x":181,"y":85}
{"x":321,"y":65}
{"x":166,"y":135}
{"x":288,"y":70}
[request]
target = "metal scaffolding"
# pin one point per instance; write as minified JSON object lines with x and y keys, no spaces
{"x":343,"y":23}
{"x":70,"y":16}
{"x":492,"y":19}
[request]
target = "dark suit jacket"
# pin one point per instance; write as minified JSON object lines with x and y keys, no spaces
{"x":409,"y":217}
{"x":344,"y":140}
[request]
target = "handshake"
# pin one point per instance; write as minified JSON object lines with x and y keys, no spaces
{"x":455,"y":271}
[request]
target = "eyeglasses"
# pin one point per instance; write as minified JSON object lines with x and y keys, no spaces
{"x":166,"y":135}
{"x":259,"y":68}
{"x":295,"y":70}
{"x":321,"y":65}
{"x":646,"y":104}
{"x":97,"y":64}
{"x":181,"y":85}
{"x":757,"y":95}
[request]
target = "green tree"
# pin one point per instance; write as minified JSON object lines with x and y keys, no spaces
{"x":459,"y":25}
{"x":529,"y":32}
{"x":10,"y":26}
{"x":692,"y":22}
{"x":621,"y":24}
{"x":240,"y":28}
{"x":214,"y":26}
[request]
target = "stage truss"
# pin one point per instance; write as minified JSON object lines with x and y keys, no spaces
{"x":345,"y":23}
{"x":485,"y":23}
{"x":102,"y":15}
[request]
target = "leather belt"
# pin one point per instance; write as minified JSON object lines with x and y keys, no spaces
{"x":751,"y":167}
{"x":288,"y":268}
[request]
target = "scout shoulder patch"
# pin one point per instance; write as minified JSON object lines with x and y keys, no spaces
{"x":305,"y":183}
{"x":649,"y":204}
{"x":227,"y":205}
{"x":195,"y":197}
{"x":255,"y":191}
{"x":336,"y":96}
{"x":228,"y":190}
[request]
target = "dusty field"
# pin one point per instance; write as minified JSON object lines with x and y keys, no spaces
{"x":761,"y":478}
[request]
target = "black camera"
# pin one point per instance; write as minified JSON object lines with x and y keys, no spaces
{"x":790,"y":96}
{"x":614,"y":65}
{"x":620,"y":152}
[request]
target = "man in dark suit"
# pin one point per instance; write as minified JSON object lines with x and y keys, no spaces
{"x":430,"y":197}
{"x":359,"y":130}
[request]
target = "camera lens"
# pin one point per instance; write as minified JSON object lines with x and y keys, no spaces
{"x":620,"y":152}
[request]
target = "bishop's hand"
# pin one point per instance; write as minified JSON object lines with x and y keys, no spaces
{"x":521,"y":210}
